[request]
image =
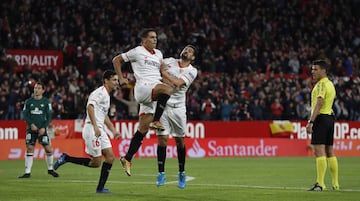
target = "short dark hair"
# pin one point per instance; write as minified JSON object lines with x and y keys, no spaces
{"x":108,"y":74}
{"x":145,"y":32}
{"x":322,"y":63}
{"x":40,"y":83}
{"x":194,"y":48}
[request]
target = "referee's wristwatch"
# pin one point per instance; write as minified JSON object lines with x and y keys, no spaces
{"x":310,"y":122}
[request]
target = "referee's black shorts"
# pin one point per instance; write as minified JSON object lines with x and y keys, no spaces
{"x":323,"y":130}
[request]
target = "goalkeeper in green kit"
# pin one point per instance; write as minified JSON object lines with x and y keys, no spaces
{"x":37,"y":114}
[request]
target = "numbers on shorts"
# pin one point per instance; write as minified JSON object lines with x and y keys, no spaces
{"x":28,"y":136}
{"x":96,"y":142}
{"x":45,"y":139}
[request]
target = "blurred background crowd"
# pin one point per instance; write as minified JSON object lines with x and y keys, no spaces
{"x":254,"y":56}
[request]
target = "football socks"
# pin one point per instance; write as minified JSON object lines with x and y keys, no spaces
{"x":135,"y":144}
{"x":105,"y":170}
{"x":334,"y":171}
{"x":181,"y":151}
{"x":28,"y":162}
{"x":160,"y":106}
{"x":321,"y":166}
{"x":161,"y":156}
{"x":49,"y":160}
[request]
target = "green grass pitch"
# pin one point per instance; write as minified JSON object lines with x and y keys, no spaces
{"x":248,"y":179}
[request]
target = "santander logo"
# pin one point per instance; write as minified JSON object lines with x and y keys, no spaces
{"x":196,"y":151}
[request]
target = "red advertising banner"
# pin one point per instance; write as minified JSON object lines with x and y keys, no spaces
{"x":63,"y":128}
{"x":196,"y":148}
{"x":221,"y":147}
{"x":207,"y":129}
{"x":247,"y":129}
{"x":42,"y":59}
{"x":347,"y":147}
{"x":15,"y":149}
{"x":10,"y":130}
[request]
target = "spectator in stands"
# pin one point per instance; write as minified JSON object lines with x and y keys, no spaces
{"x":3,"y":107}
{"x":112,"y":112}
{"x":343,"y":112}
{"x":59,"y":109}
{"x":225,"y":110}
{"x":294,"y":63}
{"x":12,"y":99}
{"x":207,"y":109}
{"x":301,"y":110}
{"x":132,"y":107}
{"x":290,"y":111}
{"x":256,"y":111}
{"x":277,"y":109}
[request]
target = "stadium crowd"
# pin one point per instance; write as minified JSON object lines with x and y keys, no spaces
{"x":254,"y":56}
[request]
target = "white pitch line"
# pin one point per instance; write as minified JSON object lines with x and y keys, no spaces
{"x":188,"y":178}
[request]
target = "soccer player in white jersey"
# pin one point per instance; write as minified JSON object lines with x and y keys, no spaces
{"x":145,"y":61}
{"x":97,"y":142}
{"x":174,"y":117}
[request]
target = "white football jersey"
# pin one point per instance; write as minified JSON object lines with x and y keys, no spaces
{"x":100,"y":99}
{"x":187,"y":73}
{"x":146,"y":65}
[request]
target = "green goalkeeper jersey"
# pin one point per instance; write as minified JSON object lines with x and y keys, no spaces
{"x":37,"y":112}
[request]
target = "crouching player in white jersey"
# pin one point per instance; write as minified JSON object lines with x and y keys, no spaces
{"x":174,"y":117}
{"x":97,"y":142}
{"x":145,"y":62}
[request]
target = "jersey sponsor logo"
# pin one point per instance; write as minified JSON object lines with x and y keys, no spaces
{"x":152,"y":63}
{"x":36,"y":111}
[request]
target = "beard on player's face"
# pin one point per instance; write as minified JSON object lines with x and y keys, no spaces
{"x":184,"y":56}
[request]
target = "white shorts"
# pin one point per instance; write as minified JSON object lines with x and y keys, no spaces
{"x":143,"y":91}
{"x":147,"y":108}
{"x":93,"y":144}
{"x":174,"y":121}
